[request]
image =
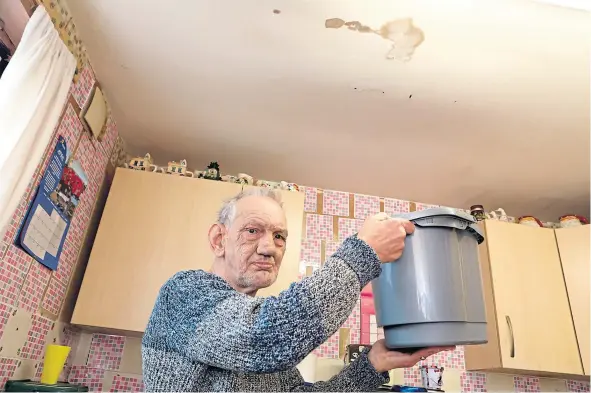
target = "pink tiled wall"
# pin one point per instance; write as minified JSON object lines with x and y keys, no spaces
{"x":31,"y":295}
{"x":332,"y":216}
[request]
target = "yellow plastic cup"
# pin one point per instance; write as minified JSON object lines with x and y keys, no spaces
{"x":55,"y":359}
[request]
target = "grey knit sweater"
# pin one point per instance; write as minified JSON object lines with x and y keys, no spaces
{"x":205,"y":336}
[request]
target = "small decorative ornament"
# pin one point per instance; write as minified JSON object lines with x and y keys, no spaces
{"x":500,"y":215}
{"x":289,"y":186}
{"x":243,"y":178}
{"x":432,"y":377}
{"x":213,"y":171}
{"x":571,"y":220}
{"x":142,"y":163}
{"x":178,"y":168}
{"x":477,"y":211}
{"x":267,"y":184}
{"x":530,"y":221}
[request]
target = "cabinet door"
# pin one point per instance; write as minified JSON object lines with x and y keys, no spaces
{"x":534,"y":323}
{"x":573,"y":245}
{"x":153,"y":226}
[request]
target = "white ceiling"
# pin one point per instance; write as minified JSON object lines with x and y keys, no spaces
{"x":499,"y":113}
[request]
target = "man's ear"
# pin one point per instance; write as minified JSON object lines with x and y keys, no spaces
{"x":217,"y":239}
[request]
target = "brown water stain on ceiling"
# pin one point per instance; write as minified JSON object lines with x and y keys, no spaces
{"x":403,"y":34}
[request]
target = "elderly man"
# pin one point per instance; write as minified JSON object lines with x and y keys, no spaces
{"x":209,"y":332}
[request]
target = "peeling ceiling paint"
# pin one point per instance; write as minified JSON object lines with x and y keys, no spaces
{"x":499,"y":113}
{"x":405,"y":37}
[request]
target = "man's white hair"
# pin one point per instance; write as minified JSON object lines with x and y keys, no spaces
{"x":227,"y":213}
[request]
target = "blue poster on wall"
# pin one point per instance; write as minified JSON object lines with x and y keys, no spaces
{"x":48,"y":219}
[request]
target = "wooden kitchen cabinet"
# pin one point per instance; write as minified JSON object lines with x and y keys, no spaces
{"x":573,"y":245}
{"x":530,"y":328}
{"x":153,"y":226}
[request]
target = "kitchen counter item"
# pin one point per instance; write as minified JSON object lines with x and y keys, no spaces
{"x":26,"y":385}
{"x":432,"y":296}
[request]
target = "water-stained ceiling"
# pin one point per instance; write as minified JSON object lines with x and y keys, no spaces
{"x":455,"y":103}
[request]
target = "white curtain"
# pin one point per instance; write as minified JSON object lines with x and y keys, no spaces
{"x":33,"y":90}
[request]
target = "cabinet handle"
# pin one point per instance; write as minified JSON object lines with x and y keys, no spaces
{"x":512,"y":337}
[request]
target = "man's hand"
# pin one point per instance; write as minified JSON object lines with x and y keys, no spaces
{"x":383,"y":359}
{"x":386,"y":235}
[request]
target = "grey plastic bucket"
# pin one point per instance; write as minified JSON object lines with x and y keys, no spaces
{"x":432,"y":295}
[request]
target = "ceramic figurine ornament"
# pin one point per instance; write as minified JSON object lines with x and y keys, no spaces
{"x":178,"y":168}
{"x":243,"y":178}
{"x":142,"y":163}
{"x":571,"y":220}
{"x":229,"y":179}
{"x":530,"y":221}
{"x":289,"y":186}
{"x":213,"y":171}
{"x":267,"y":184}
{"x":477,"y":211}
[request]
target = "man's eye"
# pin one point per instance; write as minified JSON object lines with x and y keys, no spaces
{"x":278,"y":236}
{"x":252,"y":231}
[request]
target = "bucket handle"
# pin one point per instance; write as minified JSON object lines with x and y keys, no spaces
{"x":449,"y":222}
{"x":441,"y":221}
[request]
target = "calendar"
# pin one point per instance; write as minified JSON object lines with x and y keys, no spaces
{"x":48,"y":218}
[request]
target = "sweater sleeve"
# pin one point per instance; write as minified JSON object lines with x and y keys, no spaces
{"x":213,"y":324}
{"x":359,"y":376}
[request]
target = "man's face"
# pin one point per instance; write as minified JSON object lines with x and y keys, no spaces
{"x":255,"y":242}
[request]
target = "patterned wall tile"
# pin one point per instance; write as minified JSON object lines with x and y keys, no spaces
{"x":424,"y":206}
{"x":526,"y":384}
{"x":330,"y":248}
{"x":85,"y":153}
{"x":66,"y":263}
{"x":319,"y":226}
{"x":101,"y":159}
{"x":13,"y":271}
{"x":87,"y":202}
{"x":311,"y":199}
{"x":8,"y":367}
{"x":5,"y":314}
{"x":472,"y":382}
{"x":412,"y":376}
{"x":454,"y":359}
{"x":33,"y":348}
{"x":396,"y":206}
{"x":348,"y":227}
{"x":330,"y":349}
{"x":77,"y":229}
{"x":33,"y":289}
{"x":16,"y":220}
{"x":119,"y":155}
{"x":3,"y":249}
{"x":65,"y":374}
{"x":52,"y":301}
{"x":70,"y":127}
{"x":105,"y":351}
{"x":577,"y":386}
{"x":107,"y":144}
{"x":365,"y":206}
{"x":335,"y":203}
{"x":310,"y":252}
{"x":87,"y":376}
{"x":38,"y":371}
{"x":81,"y":89}
{"x":127,"y":384}
{"x":71,"y":338}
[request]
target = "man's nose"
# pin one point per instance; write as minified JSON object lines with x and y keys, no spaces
{"x":267,"y":245}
